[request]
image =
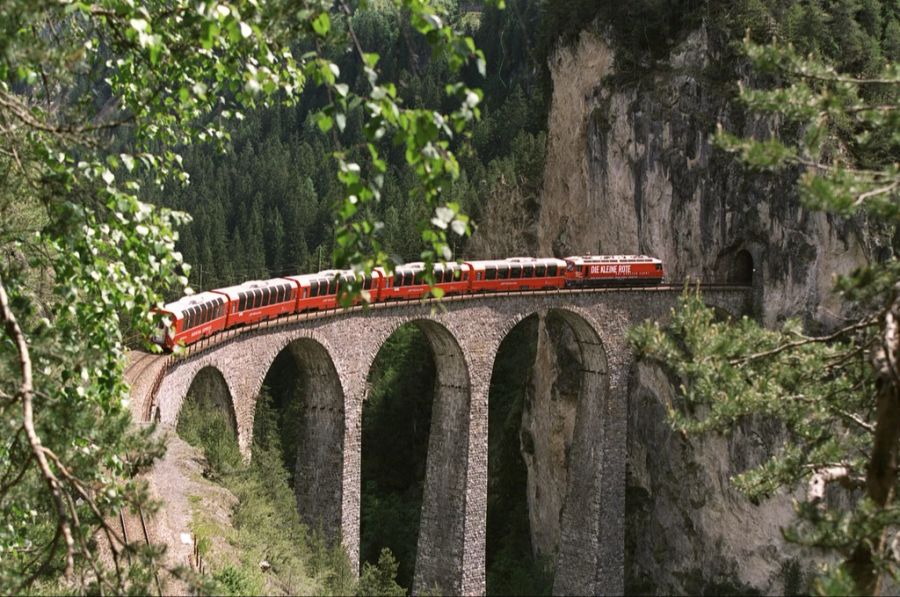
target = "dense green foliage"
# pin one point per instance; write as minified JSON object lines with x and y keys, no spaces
{"x":97,"y":102}
{"x":265,"y":206}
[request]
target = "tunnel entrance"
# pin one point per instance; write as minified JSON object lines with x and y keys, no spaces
{"x":741,"y":269}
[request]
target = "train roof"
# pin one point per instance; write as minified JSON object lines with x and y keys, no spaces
{"x":192,"y":300}
{"x":232,"y":291}
{"x":611,"y":258}
{"x":516,"y":260}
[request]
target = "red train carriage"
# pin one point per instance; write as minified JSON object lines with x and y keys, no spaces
{"x":192,"y":318}
{"x":407,"y":283}
{"x":319,"y":291}
{"x":518,"y":273}
{"x":256,"y":301}
{"x":452,"y":278}
{"x":591,"y":271}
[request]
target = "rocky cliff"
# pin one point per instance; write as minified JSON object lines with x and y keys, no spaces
{"x":630,"y":169}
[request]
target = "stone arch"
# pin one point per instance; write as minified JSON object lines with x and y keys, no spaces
{"x":318,"y":468}
{"x":559,"y":434}
{"x":212,"y":390}
{"x":441,"y":542}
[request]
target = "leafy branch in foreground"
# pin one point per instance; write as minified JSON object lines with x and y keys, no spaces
{"x":96,"y":101}
{"x":837,"y":395}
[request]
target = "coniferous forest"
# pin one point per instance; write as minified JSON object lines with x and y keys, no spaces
{"x":151,"y":147}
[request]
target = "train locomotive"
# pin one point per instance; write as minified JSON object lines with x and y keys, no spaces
{"x":195,"y":317}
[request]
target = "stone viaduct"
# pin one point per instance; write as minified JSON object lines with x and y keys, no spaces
{"x":336,"y":351}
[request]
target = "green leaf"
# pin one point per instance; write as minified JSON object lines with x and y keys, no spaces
{"x":321,"y":24}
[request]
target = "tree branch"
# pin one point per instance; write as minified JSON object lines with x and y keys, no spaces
{"x":25,"y":393}
{"x":807,"y":340}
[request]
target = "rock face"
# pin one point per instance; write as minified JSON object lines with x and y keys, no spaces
{"x":630,"y":169}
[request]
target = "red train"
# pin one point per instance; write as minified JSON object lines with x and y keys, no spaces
{"x":197,"y":316}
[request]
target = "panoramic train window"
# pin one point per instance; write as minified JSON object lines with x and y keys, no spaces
{"x":257,"y":298}
{"x":551,"y":270}
{"x":407,"y":278}
{"x":490,"y":273}
{"x":398,"y":279}
{"x":242,"y":301}
{"x":539,"y":270}
{"x":515,"y":271}
{"x":503,"y":272}
{"x":419,"y":277}
{"x":527,"y":271}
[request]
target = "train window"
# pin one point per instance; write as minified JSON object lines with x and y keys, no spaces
{"x":257,"y":298}
{"x":279,"y":296}
{"x":478,"y":276}
{"x":398,"y":279}
{"x":313,"y":288}
{"x":204,"y":313}
{"x":407,"y":278}
{"x":419,"y":277}
{"x":658,"y":266}
{"x":551,"y":270}
{"x":332,"y":286}
{"x":490,"y":273}
{"x":242,"y":301}
{"x":527,"y":271}
{"x":539,"y":270}
{"x":367,"y":282}
{"x":515,"y":271}
{"x":503,"y":272}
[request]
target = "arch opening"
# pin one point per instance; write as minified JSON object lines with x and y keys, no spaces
{"x":548,"y":381}
{"x":741,"y":269}
{"x":207,"y":420}
{"x":414,"y":447}
{"x":300,"y":415}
